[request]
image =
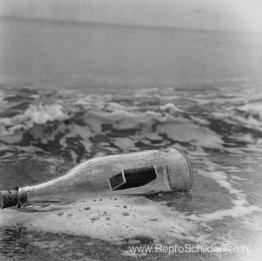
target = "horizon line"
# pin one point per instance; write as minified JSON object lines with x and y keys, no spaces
{"x":83,"y":22}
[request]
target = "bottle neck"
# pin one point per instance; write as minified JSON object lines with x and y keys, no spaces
{"x":43,"y":193}
{"x":32,"y":195}
{"x":27,"y":195}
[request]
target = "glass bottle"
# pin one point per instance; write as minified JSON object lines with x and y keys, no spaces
{"x":145,"y":172}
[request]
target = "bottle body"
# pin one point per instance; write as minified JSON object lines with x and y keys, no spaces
{"x":92,"y":177}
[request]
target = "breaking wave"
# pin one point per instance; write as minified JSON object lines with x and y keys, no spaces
{"x":80,"y":125}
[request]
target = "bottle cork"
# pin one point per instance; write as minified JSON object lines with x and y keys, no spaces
{"x":8,"y":198}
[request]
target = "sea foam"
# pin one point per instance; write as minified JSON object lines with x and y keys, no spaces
{"x":35,"y":114}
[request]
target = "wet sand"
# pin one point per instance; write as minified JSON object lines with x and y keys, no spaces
{"x":104,"y":228}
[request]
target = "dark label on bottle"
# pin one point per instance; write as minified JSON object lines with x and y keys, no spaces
{"x":131,"y":178}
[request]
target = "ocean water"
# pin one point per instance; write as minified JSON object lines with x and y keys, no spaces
{"x":72,"y":91}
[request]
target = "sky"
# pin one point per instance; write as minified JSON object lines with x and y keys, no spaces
{"x":229,"y":15}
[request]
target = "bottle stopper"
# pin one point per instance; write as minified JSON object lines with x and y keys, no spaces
{"x":9,"y":198}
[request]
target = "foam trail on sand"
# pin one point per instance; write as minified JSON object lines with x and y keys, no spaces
{"x":121,"y":217}
{"x":111,"y":219}
{"x":241,"y":206}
